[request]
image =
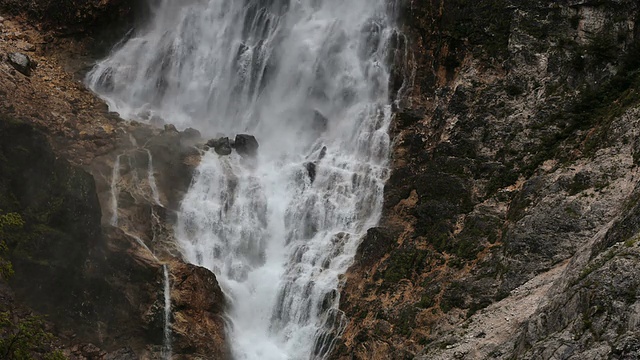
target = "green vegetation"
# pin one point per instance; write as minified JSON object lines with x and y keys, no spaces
{"x":632,"y":241}
{"x":19,"y":339}
{"x":485,"y":24}
{"x":597,"y":107}
{"x":453,"y":297}
{"x":8,"y":223}
{"x":407,"y":320}
{"x":603,"y":47}
{"x":403,"y":263}
{"x":579,"y":183}
{"x":476,"y":306}
{"x":595,"y":265}
{"x":426,"y":301}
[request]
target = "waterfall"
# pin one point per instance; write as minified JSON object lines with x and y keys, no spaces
{"x":309,"y":79}
{"x":115,"y":178}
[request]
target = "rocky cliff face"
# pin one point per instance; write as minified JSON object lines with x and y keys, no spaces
{"x":98,"y":285}
{"x":515,"y":160}
{"x":101,"y":286}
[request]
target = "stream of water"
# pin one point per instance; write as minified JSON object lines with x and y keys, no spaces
{"x":309,"y":79}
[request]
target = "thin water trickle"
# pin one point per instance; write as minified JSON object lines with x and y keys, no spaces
{"x":309,"y":79}
{"x":152,"y":179}
{"x":115,"y":178}
{"x":166,"y":347}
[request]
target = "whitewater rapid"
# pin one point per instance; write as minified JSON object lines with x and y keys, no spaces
{"x":309,"y":79}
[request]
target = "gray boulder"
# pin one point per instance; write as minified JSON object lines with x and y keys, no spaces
{"x":21,"y":62}
{"x":222,"y":146}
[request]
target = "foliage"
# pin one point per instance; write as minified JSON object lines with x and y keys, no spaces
{"x":8,"y":222}
{"x":19,"y":340}
{"x":403,"y":263}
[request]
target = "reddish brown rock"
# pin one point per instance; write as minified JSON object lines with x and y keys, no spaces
{"x":198,"y":304}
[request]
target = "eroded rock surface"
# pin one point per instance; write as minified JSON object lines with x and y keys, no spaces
{"x":515,"y":152}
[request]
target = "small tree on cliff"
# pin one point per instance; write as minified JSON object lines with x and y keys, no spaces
{"x":8,"y":222}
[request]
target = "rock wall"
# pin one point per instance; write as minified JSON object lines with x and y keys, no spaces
{"x":101,"y":287}
{"x":96,"y":284}
{"x":515,"y":152}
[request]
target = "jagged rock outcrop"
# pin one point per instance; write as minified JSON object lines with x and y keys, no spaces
{"x":99,"y":283}
{"x":246,"y":145}
{"x":197,"y":320}
{"x":515,"y":151}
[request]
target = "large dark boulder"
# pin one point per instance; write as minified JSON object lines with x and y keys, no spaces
{"x":311,"y":170}
{"x":246,"y":145}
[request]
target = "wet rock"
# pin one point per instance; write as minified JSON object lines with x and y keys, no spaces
{"x":222,"y":146}
{"x":246,"y":145}
{"x":159,"y":121}
{"x":141,"y":134}
{"x":191,"y":134}
{"x":169,"y":128}
{"x":198,"y":327}
{"x":323,"y":153}
{"x":21,"y":62}
{"x":144,"y":114}
{"x":311,"y":170}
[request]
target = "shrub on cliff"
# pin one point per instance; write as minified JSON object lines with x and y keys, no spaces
{"x":8,"y":222}
{"x":20,"y":339}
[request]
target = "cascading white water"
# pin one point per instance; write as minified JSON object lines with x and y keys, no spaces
{"x":309,"y":79}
